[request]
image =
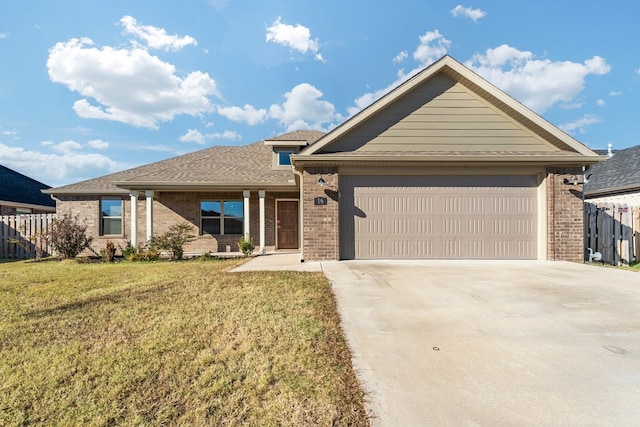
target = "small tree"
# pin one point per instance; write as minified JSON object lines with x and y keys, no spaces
{"x":173,"y":241}
{"x":68,"y":237}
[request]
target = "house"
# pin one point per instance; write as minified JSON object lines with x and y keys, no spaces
{"x":20,"y":194}
{"x":444,"y":166}
{"x":616,"y":180}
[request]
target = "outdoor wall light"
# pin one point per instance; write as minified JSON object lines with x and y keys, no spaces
{"x":321,"y":182}
{"x":575,"y":181}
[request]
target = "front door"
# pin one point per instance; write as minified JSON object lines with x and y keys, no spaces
{"x":287,"y":224}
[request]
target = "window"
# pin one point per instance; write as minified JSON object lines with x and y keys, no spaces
{"x":110,"y":216}
{"x":284,"y":158}
{"x":221,"y":217}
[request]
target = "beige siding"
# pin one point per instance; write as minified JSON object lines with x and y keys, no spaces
{"x":441,"y":115}
{"x":482,"y":217}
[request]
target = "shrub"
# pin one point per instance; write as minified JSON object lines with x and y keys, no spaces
{"x":128,"y":250}
{"x":246,"y":245}
{"x":143,"y":253}
{"x":173,"y":241}
{"x":68,"y":237}
{"x":109,"y":251}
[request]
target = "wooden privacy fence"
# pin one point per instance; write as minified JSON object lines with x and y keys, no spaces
{"x":25,"y":227}
{"x":612,"y":229}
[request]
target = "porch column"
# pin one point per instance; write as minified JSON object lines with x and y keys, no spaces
{"x":149,"y":196}
{"x":134,"y":218}
{"x":261,"y":195}
{"x":247,"y":229}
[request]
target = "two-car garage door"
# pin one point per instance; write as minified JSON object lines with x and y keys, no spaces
{"x":446,"y":217}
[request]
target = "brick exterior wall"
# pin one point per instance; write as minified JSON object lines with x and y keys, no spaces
{"x":565,"y":216}
{"x":321,"y":226}
{"x":171,"y":208}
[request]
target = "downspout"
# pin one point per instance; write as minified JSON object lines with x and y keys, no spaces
{"x":300,"y":212}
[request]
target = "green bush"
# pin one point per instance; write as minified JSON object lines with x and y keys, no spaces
{"x":173,"y":241}
{"x":246,"y":245}
{"x":68,"y":237}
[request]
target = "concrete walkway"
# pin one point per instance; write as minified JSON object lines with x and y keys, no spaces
{"x":279,"y":261}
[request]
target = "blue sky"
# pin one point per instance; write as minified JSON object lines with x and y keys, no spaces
{"x":93,"y":87}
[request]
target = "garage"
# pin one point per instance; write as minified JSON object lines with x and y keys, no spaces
{"x":439,"y":217}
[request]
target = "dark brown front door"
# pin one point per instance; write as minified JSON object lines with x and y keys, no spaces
{"x":287,"y":224}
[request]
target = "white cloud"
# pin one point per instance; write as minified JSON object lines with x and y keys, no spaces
{"x":432,"y":46}
{"x":219,"y":4}
{"x":474,"y":14}
{"x":571,"y":105}
{"x":581,"y":123}
{"x":57,"y":169}
{"x":127,"y":85}
{"x":3,"y":35}
{"x":401,"y":57}
{"x":194,"y":135}
{"x":297,"y":37}
{"x":247,"y":114}
{"x":638,"y":71}
{"x":98,"y":144}
{"x":156,"y":38}
{"x":615,"y":93}
{"x":537,"y":83}
{"x":601,"y":103}
{"x":304,"y":110}
{"x":66,"y":147}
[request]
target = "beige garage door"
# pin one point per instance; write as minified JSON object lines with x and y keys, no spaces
{"x":440,"y":217}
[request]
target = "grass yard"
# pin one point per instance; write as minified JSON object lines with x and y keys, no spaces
{"x":173,"y":343}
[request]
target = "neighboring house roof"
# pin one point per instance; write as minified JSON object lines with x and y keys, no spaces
{"x":18,"y":188}
{"x":416,"y":122}
{"x":617,"y":174}
{"x":228,"y":167}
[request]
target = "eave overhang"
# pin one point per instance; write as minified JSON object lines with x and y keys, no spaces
{"x":203,"y":186}
{"x":623,"y":189}
{"x":337,"y":160}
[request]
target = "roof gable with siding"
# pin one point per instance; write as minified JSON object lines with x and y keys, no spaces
{"x":447,"y":109}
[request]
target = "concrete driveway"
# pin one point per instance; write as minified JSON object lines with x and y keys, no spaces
{"x":493,"y":343}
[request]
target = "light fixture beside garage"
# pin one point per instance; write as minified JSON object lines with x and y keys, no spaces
{"x":322,"y":182}
{"x":575,"y":181}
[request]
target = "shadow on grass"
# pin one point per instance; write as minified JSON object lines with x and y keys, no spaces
{"x":125,"y":295}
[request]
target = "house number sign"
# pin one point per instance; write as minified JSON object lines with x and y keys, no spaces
{"x":320,"y":201}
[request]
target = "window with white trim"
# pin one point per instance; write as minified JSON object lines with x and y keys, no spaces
{"x":284,"y":157}
{"x":110,"y":216}
{"x":221,"y":217}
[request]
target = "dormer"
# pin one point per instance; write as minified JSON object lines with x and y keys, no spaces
{"x":282,"y":151}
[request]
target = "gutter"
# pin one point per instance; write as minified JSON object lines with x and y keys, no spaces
{"x":434,"y":160}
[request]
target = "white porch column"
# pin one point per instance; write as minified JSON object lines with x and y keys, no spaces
{"x":247,"y":224}
{"x":134,"y":218}
{"x":149,"y":196}
{"x":262,"y":220}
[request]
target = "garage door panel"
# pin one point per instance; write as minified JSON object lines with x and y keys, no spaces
{"x":439,"y":217}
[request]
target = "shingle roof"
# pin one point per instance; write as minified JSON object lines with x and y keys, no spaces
{"x":221,"y":165}
{"x":15,"y":187}
{"x":620,"y":173}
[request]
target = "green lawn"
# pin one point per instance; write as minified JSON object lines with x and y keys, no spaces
{"x":171,"y":343}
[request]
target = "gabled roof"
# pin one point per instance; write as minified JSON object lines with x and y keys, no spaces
{"x":18,"y":188}
{"x":220,"y":167}
{"x":617,"y":174}
{"x":550,"y":144}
